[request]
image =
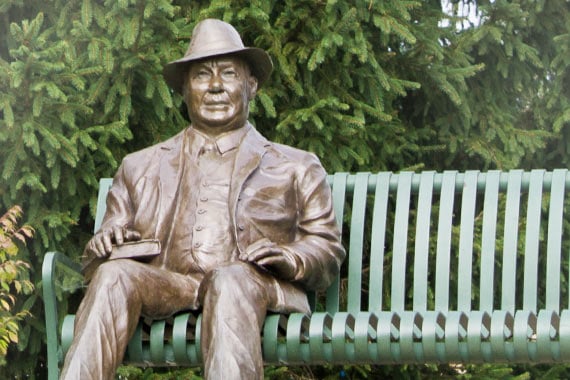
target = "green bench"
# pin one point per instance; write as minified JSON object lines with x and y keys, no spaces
{"x":442,"y":268}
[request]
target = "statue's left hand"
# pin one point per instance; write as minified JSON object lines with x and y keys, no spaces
{"x":273,"y":258}
{"x":101,"y":244}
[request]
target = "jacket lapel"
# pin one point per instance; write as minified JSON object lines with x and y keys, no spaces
{"x":170,"y":171}
{"x":248,"y":159}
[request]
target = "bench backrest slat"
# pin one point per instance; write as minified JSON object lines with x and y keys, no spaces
{"x":339,"y":181}
{"x":510,"y":240}
{"x":356,"y":245}
{"x":444,"y":235}
{"x":104,"y":186}
{"x":488,"y":242}
{"x":554,"y":243}
{"x":466,"y":235}
{"x":378,"y":240}
{"x":339,"y":187}
{"x":422,"y":246}
{"x":400,"y":243}
{"x":532,"y":237}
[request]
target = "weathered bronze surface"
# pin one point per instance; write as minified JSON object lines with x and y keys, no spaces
{"x":245,"y":225}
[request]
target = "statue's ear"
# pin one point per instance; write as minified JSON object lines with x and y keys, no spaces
{"x":252,"y":81}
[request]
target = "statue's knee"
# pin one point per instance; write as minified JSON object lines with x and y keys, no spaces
{"x":232,"y":279}
{"x":111,"y":274}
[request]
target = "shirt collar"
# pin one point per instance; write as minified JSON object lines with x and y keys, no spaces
{"x":224,"y":142}
{"x":230,"y":140}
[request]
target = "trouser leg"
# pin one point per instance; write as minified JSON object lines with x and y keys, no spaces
{"x":118,"y":294}
{"x":235,"y":299}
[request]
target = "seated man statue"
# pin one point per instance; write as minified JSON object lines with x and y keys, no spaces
{"x":245,"y":226}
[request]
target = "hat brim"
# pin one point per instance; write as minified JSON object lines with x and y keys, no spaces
{"x":259,"y":61}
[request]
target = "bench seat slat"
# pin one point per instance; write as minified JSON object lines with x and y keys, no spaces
{"x":365,"y":324}
{"x":523,"y":332}
{"x":297,"y":335}
{"x":320,"y":338}
{"x":182,"y":354}
{"x":343,"y":337}
{"x":157,"y":337}
{"x":135,"y":349}
{"x":433,"y":334}
{"x":478,"y":331}
{"x":502,"y":326}
{"x":564,"y":334}
{"x":271,"y":337}
{"x":386,"y":334}
{"x":547,"y":326}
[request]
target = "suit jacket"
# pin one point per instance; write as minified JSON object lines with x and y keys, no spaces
{"x":276,"y":192}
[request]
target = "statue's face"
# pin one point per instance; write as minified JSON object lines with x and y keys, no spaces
{"x":217,"y":94}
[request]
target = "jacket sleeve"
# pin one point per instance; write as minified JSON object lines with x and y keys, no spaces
{"x":119,"y":211}
{"x":317,"y":248}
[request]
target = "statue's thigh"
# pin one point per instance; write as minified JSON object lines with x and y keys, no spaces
{"x":160,"y":292}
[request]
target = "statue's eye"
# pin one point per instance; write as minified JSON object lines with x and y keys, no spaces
{"x":202,"y":74}
{"x":229,"y":73}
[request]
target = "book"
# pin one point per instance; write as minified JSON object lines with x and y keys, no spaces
{"x":140,"y":250}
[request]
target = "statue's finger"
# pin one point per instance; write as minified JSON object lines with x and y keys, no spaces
{"x":107,"y":243}
{"x":118,"y":234}
{"x":131,"y":235}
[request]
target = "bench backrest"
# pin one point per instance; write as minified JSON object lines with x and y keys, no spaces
{"x":448,"y":241}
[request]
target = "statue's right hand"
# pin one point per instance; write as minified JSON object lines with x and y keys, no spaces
{"x":101,"y":244}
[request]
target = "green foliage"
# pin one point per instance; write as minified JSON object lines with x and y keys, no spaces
{"x":134,"y":373}
{"x":367,"y":85}
{"x":14,"y":279}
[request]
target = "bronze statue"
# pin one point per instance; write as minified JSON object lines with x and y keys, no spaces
{"x":245,"y":225}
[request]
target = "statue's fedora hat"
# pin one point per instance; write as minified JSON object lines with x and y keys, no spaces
{"x":211,"y":38}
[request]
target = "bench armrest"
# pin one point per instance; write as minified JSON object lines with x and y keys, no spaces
{"x":51,"y":261}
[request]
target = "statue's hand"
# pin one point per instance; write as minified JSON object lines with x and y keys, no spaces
{"x":101,"y":244}
{"x":273,"y":258}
